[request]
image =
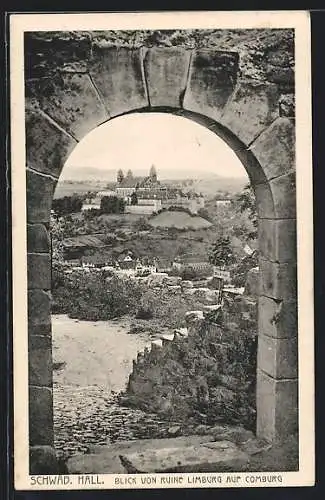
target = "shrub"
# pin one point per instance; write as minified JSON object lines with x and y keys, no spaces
{"x":143,"y":313}
{"x":96,"y":297}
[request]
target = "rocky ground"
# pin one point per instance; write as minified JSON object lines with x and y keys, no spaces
{"x":92,"y":362}
{"x":87,"y":417}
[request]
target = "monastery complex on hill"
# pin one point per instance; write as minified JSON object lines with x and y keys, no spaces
{"x":146,"y":195}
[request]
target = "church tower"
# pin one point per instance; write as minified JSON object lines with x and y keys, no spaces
{"x":153,"y":174}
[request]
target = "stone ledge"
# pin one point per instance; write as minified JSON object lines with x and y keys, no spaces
{"x":216,"y":456}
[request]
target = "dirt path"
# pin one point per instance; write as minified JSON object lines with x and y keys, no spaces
{"x":94,"y":353}
{"x":92,"y":360}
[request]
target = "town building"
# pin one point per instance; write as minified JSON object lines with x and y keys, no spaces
{"x":147,"y":195}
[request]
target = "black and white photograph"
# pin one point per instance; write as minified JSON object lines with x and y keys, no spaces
{"x":162,"y":231}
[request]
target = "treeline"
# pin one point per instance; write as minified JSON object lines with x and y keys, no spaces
{"x":67,"y":205}
{"x":73,"y":204}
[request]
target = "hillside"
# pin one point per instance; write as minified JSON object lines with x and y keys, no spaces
{"x":208,"y":185}
{"x":179,"y":220}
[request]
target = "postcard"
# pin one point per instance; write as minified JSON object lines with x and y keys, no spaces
{"x":162,"y":234}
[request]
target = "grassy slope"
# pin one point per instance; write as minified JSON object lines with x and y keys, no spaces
{"x":179,"y":220}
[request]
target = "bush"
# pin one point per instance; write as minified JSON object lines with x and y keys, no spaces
{"x":95,"y":297}
{"x":144,"y":313}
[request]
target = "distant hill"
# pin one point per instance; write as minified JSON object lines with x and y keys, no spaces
{"x":88,"y":174}
{"x":83,"y":179}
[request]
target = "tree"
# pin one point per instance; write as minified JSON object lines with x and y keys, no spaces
{"x":120,"y":176}
{"x":246,"y":203}
{"x":221,"y":253}
{"x":67,"y":205}
{"x":134,"y":198}
{"x":246,"y":209}
{"x":129,"y":174}
{"x":112,"y":205}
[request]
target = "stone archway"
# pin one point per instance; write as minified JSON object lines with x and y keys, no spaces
{"x":83,"y":85}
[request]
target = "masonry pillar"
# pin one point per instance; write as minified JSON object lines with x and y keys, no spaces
{"x":277,"y":363}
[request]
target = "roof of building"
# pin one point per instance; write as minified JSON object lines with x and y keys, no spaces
{"x":127,"y":264}
{"x":96,"y":260}
{"x":130,"y":182}
{"x":86,"y":240}
{"x":106,"y":192}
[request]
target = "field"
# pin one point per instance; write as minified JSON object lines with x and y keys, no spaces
{"x":70,"y":188}
{"x":178,"y":220}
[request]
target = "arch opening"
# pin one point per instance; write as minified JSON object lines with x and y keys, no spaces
{"x":174,"y":189}
{"x":49,"y":142}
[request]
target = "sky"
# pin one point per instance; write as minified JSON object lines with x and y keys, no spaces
{"x":177,"y":146}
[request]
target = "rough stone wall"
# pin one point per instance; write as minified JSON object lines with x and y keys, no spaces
{"x":238,"y":84}
{"x":207,"y":377}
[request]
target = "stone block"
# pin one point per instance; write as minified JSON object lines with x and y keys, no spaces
{"x":105,"y":459}
{"x":43,"y":460}
{"x":38,"y":239}
{"x":40,"y":189}
{"x":278,"y":357}
{"x":251,"y":109}
{"x":217,"y":456}
{"x":284,"y":196}
{"x":282,"y":76}
{"x":212,"y":79}
{"x":277,"y":407}
{"x":287,"y":105}
{"x":40,"y":416}
{"x":252,"y":284}
{"x":47,"y":146}
{"x":39,"y":271}
{"x":278,"y":319}
{"x":277,"y":239}
{"x":275,"y":148}
{"x":278,"y":281}
{"x":166,"y":71}
{"x":253,"y":168}
{"x":40,"y":360}
{"x":50,"y":51}
{"x":71,"y":100}
{"x":118,"y":75}
{"x":39,"y":312}
{"x":264,"y":201}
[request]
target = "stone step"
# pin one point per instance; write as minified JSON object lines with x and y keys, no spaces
{"x":105,"y":459}
{"x":167,"y":336}
{"x":156,"y":343}
{"x":218,"y":456}
{"x":183,"y":332}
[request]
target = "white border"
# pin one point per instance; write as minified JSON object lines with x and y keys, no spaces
{"x":299,"y":20}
